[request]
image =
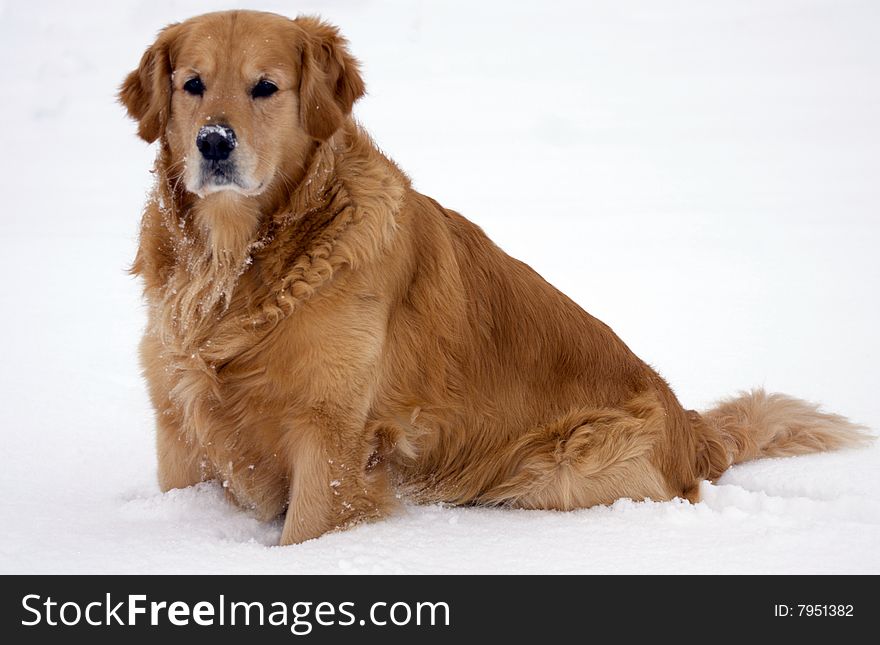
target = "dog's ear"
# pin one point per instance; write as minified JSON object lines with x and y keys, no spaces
{"x":146,"y":92}
{"x":330,"y":81}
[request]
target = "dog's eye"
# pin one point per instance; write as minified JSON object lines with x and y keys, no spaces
{"x":263,"y":89}
{"x":194,"y":86}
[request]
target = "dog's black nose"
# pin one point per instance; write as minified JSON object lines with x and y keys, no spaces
{"x":215,"y":142}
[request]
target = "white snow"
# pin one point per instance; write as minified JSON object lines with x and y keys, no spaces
{"x":702,"y":177}
{"x":222,"y":130}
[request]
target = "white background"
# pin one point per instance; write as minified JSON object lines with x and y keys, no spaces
{"x":701,"y":176}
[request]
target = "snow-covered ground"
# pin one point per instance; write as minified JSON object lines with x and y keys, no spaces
{"x":704,"y":177}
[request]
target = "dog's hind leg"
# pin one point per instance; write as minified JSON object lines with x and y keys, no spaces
{"x":587,"y":457}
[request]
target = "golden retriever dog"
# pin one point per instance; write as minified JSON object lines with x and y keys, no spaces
{"x":325,"y":340}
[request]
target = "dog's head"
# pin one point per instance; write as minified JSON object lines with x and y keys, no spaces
{"x":240,"y":97}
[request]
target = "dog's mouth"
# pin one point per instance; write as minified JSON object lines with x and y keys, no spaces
{"x":216,"y":176}
{"x":219,"y":173}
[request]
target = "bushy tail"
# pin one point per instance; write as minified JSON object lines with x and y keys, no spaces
{"x":756,"y":424}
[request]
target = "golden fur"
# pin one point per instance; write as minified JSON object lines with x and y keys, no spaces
{"x":323,"y":337}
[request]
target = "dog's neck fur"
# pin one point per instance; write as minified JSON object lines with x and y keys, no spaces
{"x":228,"y":224}
{"x":194,"y":252}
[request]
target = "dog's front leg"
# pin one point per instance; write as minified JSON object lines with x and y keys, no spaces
{"x":181,"y":463}
{"x":337,"y":479}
